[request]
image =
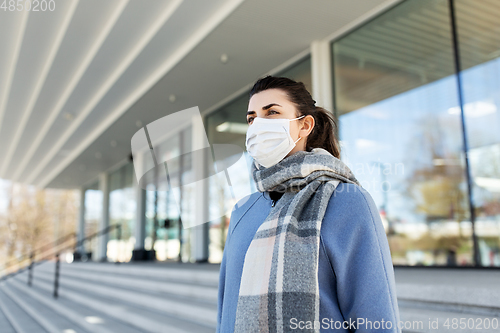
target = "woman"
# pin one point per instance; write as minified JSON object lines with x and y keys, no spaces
{"x":307,"y":251}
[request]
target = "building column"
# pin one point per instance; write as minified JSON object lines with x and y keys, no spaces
{"x":80,"y":226}
{"x":200,"y":230}
{"x":321,"y":73}
{"x":102,"y":246}
{"x":139,"y":253}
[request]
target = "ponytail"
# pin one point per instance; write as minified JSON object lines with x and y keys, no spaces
{"x":325,"y":127}
{"x":323,"y":133}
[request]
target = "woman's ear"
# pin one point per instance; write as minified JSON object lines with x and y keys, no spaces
{"x":307,"y":125}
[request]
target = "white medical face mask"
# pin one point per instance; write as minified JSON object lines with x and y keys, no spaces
{"x":268,"y":141}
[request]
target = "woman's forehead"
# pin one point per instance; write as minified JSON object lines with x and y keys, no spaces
{"x":267,"y":97}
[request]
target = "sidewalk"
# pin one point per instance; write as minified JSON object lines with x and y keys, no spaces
{"x":446,"y":299}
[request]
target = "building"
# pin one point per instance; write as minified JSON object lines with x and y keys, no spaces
{"x":414,"y":85}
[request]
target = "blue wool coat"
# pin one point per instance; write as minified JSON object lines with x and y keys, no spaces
{"x":355,"y":272}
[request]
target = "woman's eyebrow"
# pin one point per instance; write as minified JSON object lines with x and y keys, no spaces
{"x":263,"y":108}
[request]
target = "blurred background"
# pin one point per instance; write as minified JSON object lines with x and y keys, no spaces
{"x":414,"y":85}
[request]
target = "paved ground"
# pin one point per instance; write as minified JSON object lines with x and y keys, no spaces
{"x":448,"y":299}
{"x":175,"y":264}
{"x":456,"y":276}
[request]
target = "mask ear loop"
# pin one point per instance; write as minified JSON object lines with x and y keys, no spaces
{"x":297,"y":139}
{"x":296,"y":119}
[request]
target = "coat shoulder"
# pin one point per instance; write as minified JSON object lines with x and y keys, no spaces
{"x":241,"y":207}
{"x":353,"y":202}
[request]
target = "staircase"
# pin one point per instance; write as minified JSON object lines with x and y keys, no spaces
{"x":107,"y":297}
{"x":172,"y":297}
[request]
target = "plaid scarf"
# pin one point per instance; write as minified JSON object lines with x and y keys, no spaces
{"x":280,"y":272}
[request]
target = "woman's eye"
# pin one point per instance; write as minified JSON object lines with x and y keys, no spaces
{"x":249,"y":120}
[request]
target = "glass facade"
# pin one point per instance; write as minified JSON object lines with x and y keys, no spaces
{"x":416,"y":93}
{"x":122,"y":206}
{"x":220,"y":200}
{"x":93,"y":215}
{"x":228,"y":125}
{"x":478,"y":30}
{"x":163,"y":222}
{"x":397,"y":98}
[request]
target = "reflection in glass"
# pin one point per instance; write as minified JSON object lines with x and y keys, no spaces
{"x":478,"y":28}
{"x":395,"y":92}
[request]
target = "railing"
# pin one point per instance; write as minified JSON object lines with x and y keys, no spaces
{"x":55,"y":252}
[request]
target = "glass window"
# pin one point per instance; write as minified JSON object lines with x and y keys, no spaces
{"x":93,"y":214}
{"x":228,"y":126}
{"x":167,"y":245}
{"x":164,"y":231}
{"x":395,"y":91}
{"x":122,"y":208}
{"x":478,"y":28}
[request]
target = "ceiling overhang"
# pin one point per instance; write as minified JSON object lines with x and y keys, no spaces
{"x":78,"y":82}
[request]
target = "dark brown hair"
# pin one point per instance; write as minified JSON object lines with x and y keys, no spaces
{"x":323,"y":133}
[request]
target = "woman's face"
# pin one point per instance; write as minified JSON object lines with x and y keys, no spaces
{"x":274,"y":104}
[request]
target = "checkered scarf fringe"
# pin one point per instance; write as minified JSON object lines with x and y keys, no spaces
{"x":280,"y":272}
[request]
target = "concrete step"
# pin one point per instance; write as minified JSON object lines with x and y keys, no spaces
{"x":20,"y":321}
{"x":49,"y":314}
{"x":81,"y":320}
{"x":180,"y":307}
{"x":172,"y":272}
{"x":146,"y":311}
{"x":167,"y":288}
{"x":5,"y":325}
{"x":93,"y":319}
